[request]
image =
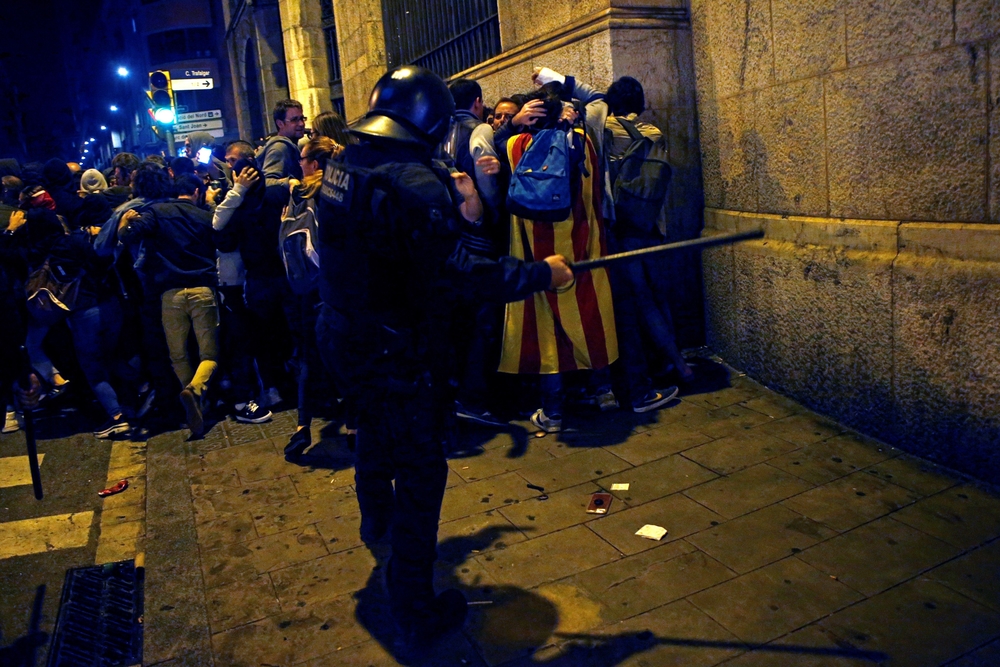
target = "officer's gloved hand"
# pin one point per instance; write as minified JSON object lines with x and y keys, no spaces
{"x":562,"y":275}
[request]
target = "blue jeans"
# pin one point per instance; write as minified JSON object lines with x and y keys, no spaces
{"x":95,"y":338}
{"x":651,"y":307}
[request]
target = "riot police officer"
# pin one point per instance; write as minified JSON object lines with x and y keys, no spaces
{"x":393,"y":274}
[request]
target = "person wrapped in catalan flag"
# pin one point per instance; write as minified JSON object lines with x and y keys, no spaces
{"x":550,"y":333}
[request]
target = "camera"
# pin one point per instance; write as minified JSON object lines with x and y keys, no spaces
{"x":204,"y":155}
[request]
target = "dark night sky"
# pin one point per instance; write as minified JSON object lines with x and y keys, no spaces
{"x":36,"y":54}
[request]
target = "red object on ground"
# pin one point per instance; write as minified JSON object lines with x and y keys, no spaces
{"x":117,"y":488}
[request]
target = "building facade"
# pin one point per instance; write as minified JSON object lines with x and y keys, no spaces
{"x":860,"y":136}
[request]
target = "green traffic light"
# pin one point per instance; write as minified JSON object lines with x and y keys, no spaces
{"x":164,"y":115}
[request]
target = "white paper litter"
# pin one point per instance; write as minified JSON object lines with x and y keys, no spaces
{"x":619,"y":487}
{"x":651,"y":532}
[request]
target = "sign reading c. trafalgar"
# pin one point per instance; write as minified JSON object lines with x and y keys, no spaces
{"x":193,"y":73}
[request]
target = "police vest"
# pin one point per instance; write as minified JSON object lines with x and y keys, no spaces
{"x":384,"y":234}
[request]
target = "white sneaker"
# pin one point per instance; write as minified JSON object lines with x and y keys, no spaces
{"x":544,"y":423}
{"x":12,"y":422}
{"x":607,"y":401}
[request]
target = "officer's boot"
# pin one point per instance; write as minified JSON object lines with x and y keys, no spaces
{"x":421,"y":618}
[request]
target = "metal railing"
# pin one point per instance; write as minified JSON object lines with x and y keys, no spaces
{"x":445,"y":36}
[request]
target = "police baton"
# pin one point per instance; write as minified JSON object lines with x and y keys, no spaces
{"x":29,"y":427}
{"x":706,"y":242}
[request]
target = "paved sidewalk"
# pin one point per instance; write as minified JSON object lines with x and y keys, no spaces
{"x":787,"y":533}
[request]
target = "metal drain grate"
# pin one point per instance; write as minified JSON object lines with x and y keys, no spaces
{"x":100,"y":617}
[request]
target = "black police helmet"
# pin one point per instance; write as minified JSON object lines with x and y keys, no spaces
{"x":409,"y":104}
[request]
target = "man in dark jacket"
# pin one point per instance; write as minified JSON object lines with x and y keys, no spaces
{"x":279,"y":157}
{"x":394,"y":273}
{"x":180,"y":266}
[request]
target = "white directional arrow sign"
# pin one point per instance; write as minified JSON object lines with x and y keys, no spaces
{"x":193,"y":84}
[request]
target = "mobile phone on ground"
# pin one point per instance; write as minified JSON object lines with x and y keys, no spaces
{"x":599,"y":503}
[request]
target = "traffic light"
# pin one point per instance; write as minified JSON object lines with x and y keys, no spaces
{"x":161,"y":94}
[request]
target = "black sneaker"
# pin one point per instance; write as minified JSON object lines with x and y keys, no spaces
{"x":192,"y":408}
{"x":478,"y":416}
{"x":113,"y":427}
{"x":251,"y":413}
{"x":297,"y":444}
{"x":655,"y":399}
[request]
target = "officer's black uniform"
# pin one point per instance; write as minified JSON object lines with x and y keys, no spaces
{"x":393,"y":273}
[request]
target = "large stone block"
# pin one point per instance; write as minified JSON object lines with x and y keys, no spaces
{"x":720,"y":292}
{"x":994,"y":141}
{"x":588,"y":59}
{"x":907,"y":138}
{"x":514,"y":79}
{"x":791,"y":167}
{"x":877,"y":29}
{"x":730,"y":149}
{"x":812,"y":306}
{"x":808,"y":38}
{"x":733,"y":49}
{"x":947,"y":365}
{"x":976,"y":19}
{"x":524,"y":20}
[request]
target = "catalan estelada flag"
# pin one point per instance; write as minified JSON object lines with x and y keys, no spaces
{"x":554,"y":333}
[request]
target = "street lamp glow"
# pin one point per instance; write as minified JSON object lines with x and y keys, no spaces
{"x":104,"y":127}
{"x":122,"y":71}
{"x":92,"y":139}
{"x":113,"y":107}
{"x":86,"y":150}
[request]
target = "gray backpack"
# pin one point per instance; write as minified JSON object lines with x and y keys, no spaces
{"x":639,"y":179}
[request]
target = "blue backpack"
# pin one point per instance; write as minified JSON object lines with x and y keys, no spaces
{"x":540,"y":185}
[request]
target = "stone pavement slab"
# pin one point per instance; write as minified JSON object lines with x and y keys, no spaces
{"x":900,"y":552}
{"x":791,"y":541}
{"x":756,"y":539}
{"x":747,"y":490}
{"x":767,"y":603}
{"x":919,"y":623}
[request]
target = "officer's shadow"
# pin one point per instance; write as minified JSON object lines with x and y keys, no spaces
{"x":517,"y":627}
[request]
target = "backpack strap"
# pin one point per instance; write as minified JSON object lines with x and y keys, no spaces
{"x":630,"y":127}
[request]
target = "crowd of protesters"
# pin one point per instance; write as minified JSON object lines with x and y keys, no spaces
{"x":165,"y":288}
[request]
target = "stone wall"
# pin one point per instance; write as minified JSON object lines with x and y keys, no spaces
{"x":363,"y":58}
{"x":305,"y":55}
{"x":861,"y":137}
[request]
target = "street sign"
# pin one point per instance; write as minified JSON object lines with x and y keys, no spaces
{"x":193,"y":84}
{"x":199,"y":125}
{"x":176,"y":74}
{"x":198,"y":115}
{"x":179,"y":137}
